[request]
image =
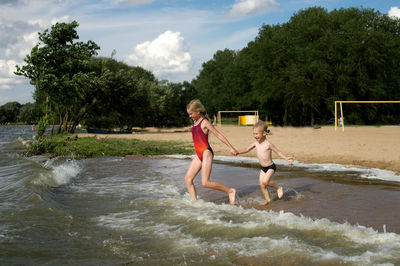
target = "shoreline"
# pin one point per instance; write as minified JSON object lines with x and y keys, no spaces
{"x":73,"y":146}
{"x":367,"y":146}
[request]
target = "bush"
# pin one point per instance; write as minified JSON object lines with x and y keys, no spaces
{"x":43,"y":122}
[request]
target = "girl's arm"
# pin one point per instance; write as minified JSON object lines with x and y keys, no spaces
{"x":252,"y":146}
{"x":221,"y":137}
{"x":277,"y":151}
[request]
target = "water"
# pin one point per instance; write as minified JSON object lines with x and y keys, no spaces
{"x":135,"y":211}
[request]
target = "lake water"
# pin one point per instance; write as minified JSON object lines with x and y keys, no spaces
{"x":135,"y":211}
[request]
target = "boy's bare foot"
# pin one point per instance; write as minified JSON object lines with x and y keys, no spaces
{"x":280,"y":192}
{"x":265,"y":202}
{"x":232,"y":196}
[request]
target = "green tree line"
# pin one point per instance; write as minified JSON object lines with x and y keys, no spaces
{"x":73,"y":86}
{"x":293,"y":72}
{"x":14,"y":112}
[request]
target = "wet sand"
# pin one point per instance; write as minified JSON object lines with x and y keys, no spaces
{"x":368,"y":146}
{"x":320,"y":195}
{"x":337,"y":196}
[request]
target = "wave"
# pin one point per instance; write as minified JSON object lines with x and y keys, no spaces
{"x":250,"y":233}
{"x":26,"y":141}
{"x":57,"y":174}
{"x":363,"y":172}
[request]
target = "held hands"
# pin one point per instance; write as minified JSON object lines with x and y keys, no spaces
{"x":234,"y":151}
{"x":290,"y":160}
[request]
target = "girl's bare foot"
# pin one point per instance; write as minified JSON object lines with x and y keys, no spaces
{"x":280,"y":192}
{"x":265,"y":202}
{"x":232,"y":196}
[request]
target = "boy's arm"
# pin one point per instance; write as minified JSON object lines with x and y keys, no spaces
{"x":277,"y":151}
{"x":220,"y":136}
{"x":252,"y":146}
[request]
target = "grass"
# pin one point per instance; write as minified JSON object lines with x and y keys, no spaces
{"x":68,"y":145}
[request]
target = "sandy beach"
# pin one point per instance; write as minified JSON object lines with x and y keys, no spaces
{"x":368,"y":146}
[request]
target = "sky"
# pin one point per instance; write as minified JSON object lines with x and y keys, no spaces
{"x":171,"y":38}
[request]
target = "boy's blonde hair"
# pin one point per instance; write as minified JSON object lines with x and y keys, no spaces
{"x":196,"y":106}
{"x":262,"y":125}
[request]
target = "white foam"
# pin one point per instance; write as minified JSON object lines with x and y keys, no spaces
{"x":155,"y":187}
{"x":364,"y":172}
{"x":250,"y":232}
{"x":368,"y":173}
{"x":57,"y":174}
{"x":65,"y":172}
{"x":130,"y":221}
{"x":124,"y":220}
{"x":25,"y":142}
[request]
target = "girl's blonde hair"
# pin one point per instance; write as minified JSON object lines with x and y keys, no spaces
{"x":196,"y":106}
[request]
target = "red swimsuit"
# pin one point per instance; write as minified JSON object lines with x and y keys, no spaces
{"x":200,"y":140}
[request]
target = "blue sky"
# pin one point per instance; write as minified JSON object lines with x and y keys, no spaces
{"x":171,"y":38}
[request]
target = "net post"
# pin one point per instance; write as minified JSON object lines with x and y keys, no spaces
{"x":341,"y":109}
{"x":335,"y":115}
{"x":341,"y":115}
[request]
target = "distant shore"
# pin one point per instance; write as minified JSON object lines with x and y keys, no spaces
{"x":368,"y":146}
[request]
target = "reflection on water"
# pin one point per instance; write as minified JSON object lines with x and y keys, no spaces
{"x":137,"y":211}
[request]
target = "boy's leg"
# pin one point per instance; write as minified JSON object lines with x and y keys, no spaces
{"x":191,"y":173}
{"x":272,"y":184}
{"x":264,"y":180}
{"x":205,"y":177}
{"x":279,"y":189}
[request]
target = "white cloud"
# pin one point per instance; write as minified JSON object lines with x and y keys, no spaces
{"x":60,"y":19}
{"x":19,"y":39}
{"x":7,"y":77}
{"x":24,"y":46}
{"x":134,"y":2}
{"x":47,"y":23}
{"x":7,"y":67}
{"x":248,"y":7}
{"x":168,"y":53}
{"x":394,"y":12}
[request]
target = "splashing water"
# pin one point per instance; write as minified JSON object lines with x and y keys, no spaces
{"x":137,"y":211}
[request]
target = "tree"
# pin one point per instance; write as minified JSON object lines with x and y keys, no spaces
{"x":58,"y":68}
{"x":293,"y":72}
{"x":132,"y":97}
{"x":29,"y":113}
{"x":9,"y":112}
{"x":124,"y":99}
{"x":169,"y":102}
{"x":212,"y":82}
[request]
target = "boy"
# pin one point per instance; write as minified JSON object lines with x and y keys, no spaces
{"x":264,"y":150}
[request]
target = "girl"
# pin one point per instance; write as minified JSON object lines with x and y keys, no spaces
{"x":204,"y":153}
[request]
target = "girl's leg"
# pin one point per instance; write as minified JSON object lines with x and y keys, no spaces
{"x":205,"y":177}
{"x":191,"y":173}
